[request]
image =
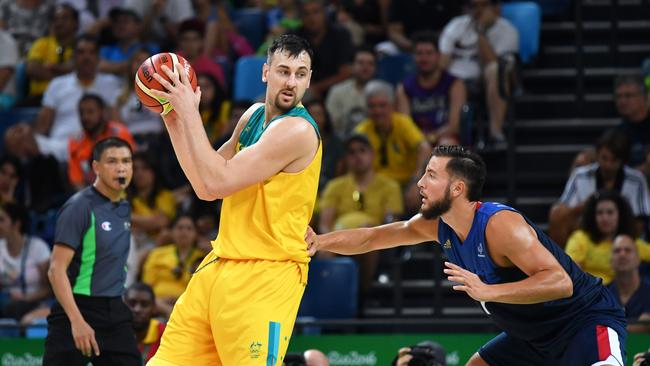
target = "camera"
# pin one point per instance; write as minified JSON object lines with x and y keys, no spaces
{"x":423,"y":356}
{"x":294,"y":359}
{"x":646,"y":359}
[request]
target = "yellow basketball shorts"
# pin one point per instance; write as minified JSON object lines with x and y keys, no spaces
{"x":234,"y":312}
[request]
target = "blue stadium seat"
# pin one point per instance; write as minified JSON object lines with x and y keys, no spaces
{"x":247,"y":83}
{"x":9,"y":328}
{"x":332,"y":290}
{"x":394,"y":68}
{"x":527,"y":18}
{"x":251,"y":23}
{"x":37,"y":329}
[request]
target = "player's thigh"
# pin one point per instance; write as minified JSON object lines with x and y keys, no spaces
{"x":504,"y":350}
{"x":256,"y":304}
{"x":188,"y":339}
{"x":595,"y":345}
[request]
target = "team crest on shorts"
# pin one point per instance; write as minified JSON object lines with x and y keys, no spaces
{"x":255,"y":349}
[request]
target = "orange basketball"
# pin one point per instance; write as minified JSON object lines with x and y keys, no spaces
{"x":145,"y":82}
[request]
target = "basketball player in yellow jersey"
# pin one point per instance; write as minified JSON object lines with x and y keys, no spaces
{"x":241,"y":304}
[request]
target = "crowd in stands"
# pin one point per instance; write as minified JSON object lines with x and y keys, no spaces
{"x":74,"y":62}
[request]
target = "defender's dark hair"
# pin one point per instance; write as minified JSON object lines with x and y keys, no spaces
{"x":143,"y":287}
{"x":108,"y":143}
{"x":425,"y":37}
{"x":17,"y":212}
{"x":615,"y":141}
{"x":95,"y":98}
{"x":626,"y":223}
{"x":290,"y":43}
{"x":467,"y":165}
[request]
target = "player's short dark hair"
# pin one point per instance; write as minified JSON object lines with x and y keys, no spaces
{"x":87,"y":38}
{"x":626,"y":223}
{"x":425,"y":37}
{"x":292,"y":44}
{"x":615,"y":141}
{"x":108,"y":143}
{"x":637,"y":80}
{"x":17,"y":212}
{"x":141,"y":287}
{"x":93,"y":97}
{"x":467,"y":165}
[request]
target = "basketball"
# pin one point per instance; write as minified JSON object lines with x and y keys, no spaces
{"x":145,"y":82}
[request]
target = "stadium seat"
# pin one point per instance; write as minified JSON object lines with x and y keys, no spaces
{"x":247,"y":83}
{"x":332,"y":290}
{"x":527,"y":18}
{"x":393,"y":68}
{"x":251,"y":24}
{"x":37,"y":329}
{"x":9,"y":328}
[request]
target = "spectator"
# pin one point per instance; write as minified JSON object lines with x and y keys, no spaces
{"x":92,"y":113}
{"x":366,"y":20}
{"x":606,"y":215}
{"x":140,"y":298}
{"x":51,"y":56}
{"x":471,"y":46}
{"x":161,"y":18}
{"x":332,"y":145}
{"x":359,"y":199}
{"x":633,"y":106}
{"x":425,"y":352}
{"x":23,"y":264}
{"x":332,"y":48}
{"x":609,"y":172}
{"x":630,"y":289}
{"x":26,"y":20}
{"x":400,"y":148}
{"x":432,"y":97}
{"x":10,"y":174}
{"x":642,"y":359}
{"x":126,"y":26}
{"x":8,"y":62}
{"x":191,"y":42}
{"x":280,"y":19}
{"x":345,"y":101}
{"x":145,"y":125}
{"x":153,"y":206}
{"x":223,"y":41}
{"x":58,"y":119}
{"x":214,"y":107}
{"x":409,"y":17}
{"x":168,"y":268}
{"x":237,"y":109}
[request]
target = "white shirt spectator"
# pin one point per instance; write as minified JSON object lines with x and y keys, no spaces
{"x":35,"y":253}
{"x":346,"y":105}
{"x":582,"y":184}
{"x":460,"y":41}
{"x":63,"y":95}
{"x":8,"y":59}
{"x":138,"y":118}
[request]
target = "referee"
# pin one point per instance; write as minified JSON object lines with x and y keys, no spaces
{"x":90,"y":322}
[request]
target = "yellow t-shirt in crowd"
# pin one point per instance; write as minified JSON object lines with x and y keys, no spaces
{"x":381,"y":196}
{"x":162,"y":272}
{"x":47,"y":51}
{"x":164,"y":201}
{"x":396,"y":156}
{"x":595,"y":258}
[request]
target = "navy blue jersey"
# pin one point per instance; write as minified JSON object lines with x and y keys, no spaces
{"x":541,"y":323}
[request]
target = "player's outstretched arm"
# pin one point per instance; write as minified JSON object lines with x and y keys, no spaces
{"x":513,"y":242}
{"x":356,"y":241}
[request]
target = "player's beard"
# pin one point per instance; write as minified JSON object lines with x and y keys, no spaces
{"x":438,"y":208}
{"x":282,"y":108}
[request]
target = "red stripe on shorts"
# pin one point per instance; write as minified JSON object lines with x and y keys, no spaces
{"x":603,"y":343}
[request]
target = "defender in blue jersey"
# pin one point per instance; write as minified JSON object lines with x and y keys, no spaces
{"x":551,"y":312}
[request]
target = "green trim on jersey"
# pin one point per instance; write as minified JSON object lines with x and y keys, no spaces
{"x":255,"y":126}
{"x":82,"y":285}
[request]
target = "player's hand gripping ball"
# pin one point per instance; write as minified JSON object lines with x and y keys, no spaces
{"x":145,"y":82}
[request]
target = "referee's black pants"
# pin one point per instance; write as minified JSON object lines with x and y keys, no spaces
{"x":111,"y":320}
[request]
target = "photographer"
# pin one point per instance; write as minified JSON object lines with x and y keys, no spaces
{"x":425,"y":353}
{"x":642,"y":359}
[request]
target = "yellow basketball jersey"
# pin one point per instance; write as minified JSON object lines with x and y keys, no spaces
{"x":268,"y":220}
